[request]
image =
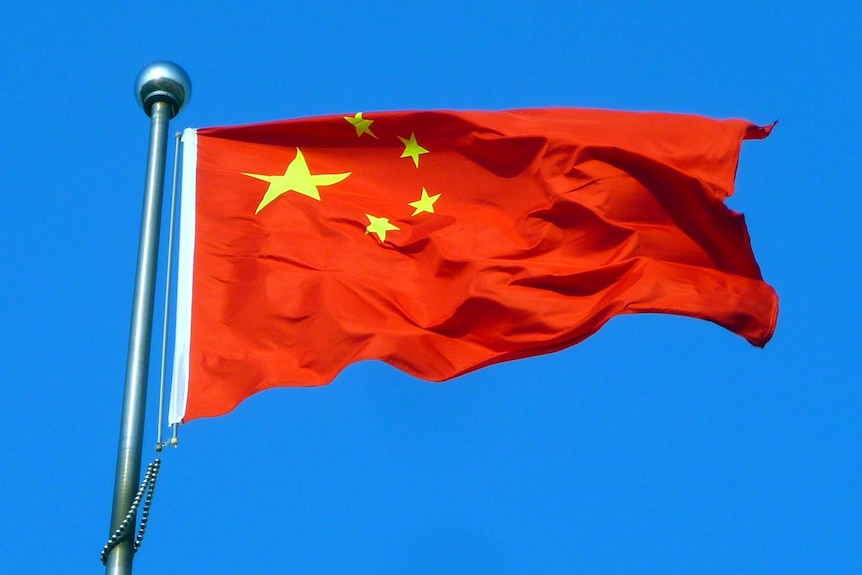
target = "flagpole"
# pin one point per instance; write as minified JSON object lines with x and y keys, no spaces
{"x":162,"y":89}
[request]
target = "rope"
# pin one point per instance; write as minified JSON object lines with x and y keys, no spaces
{"x":148,"y":486}
{"x":166,"y":321}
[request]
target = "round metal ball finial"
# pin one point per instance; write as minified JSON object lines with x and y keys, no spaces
{"x":163,"y":82}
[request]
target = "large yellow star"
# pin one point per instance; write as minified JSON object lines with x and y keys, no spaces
{"x":379,"y":226}
{"x":297,"y":178}
{"x":362,"y":125}
{"x":424,"y":204}
{"x":412,"y":149}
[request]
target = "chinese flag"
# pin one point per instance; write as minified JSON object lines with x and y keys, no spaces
{"x":442,"y":242}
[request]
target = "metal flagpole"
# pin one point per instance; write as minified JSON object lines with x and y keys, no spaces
{"x":162,"y":89}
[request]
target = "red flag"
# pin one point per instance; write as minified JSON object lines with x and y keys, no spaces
{"x":442,"y":242}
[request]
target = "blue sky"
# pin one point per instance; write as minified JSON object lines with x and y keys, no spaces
{"x":660,"y":445}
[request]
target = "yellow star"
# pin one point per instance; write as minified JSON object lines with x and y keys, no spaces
{"x":379,"y":226}
{"x":412,"y":149}
{"x":424,"y":204}
{"x":297,"y":178}
{"x":362,"y":125}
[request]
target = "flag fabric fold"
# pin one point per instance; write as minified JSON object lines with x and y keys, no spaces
{"x":442,"y":242}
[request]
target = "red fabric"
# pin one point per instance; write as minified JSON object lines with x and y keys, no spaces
{"x":549,"y":223}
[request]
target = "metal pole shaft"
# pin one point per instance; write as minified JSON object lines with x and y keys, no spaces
{"x":137,"y":367}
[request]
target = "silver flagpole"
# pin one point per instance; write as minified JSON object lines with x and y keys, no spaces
{"x":162,"y":89}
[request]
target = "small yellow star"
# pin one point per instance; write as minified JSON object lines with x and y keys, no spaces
{"x":412,"y":149}
{"x":362,"y":125}
{"x":424,"y":204}
{"x":297,"y":178}
{"x":379,"y":226}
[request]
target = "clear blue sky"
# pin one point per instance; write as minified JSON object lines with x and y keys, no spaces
{"x":660,"y":445}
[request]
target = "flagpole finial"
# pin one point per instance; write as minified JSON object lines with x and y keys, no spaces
{"x":163,"y":81}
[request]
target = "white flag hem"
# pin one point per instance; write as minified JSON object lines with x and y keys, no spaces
{"x":182,"y":341}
